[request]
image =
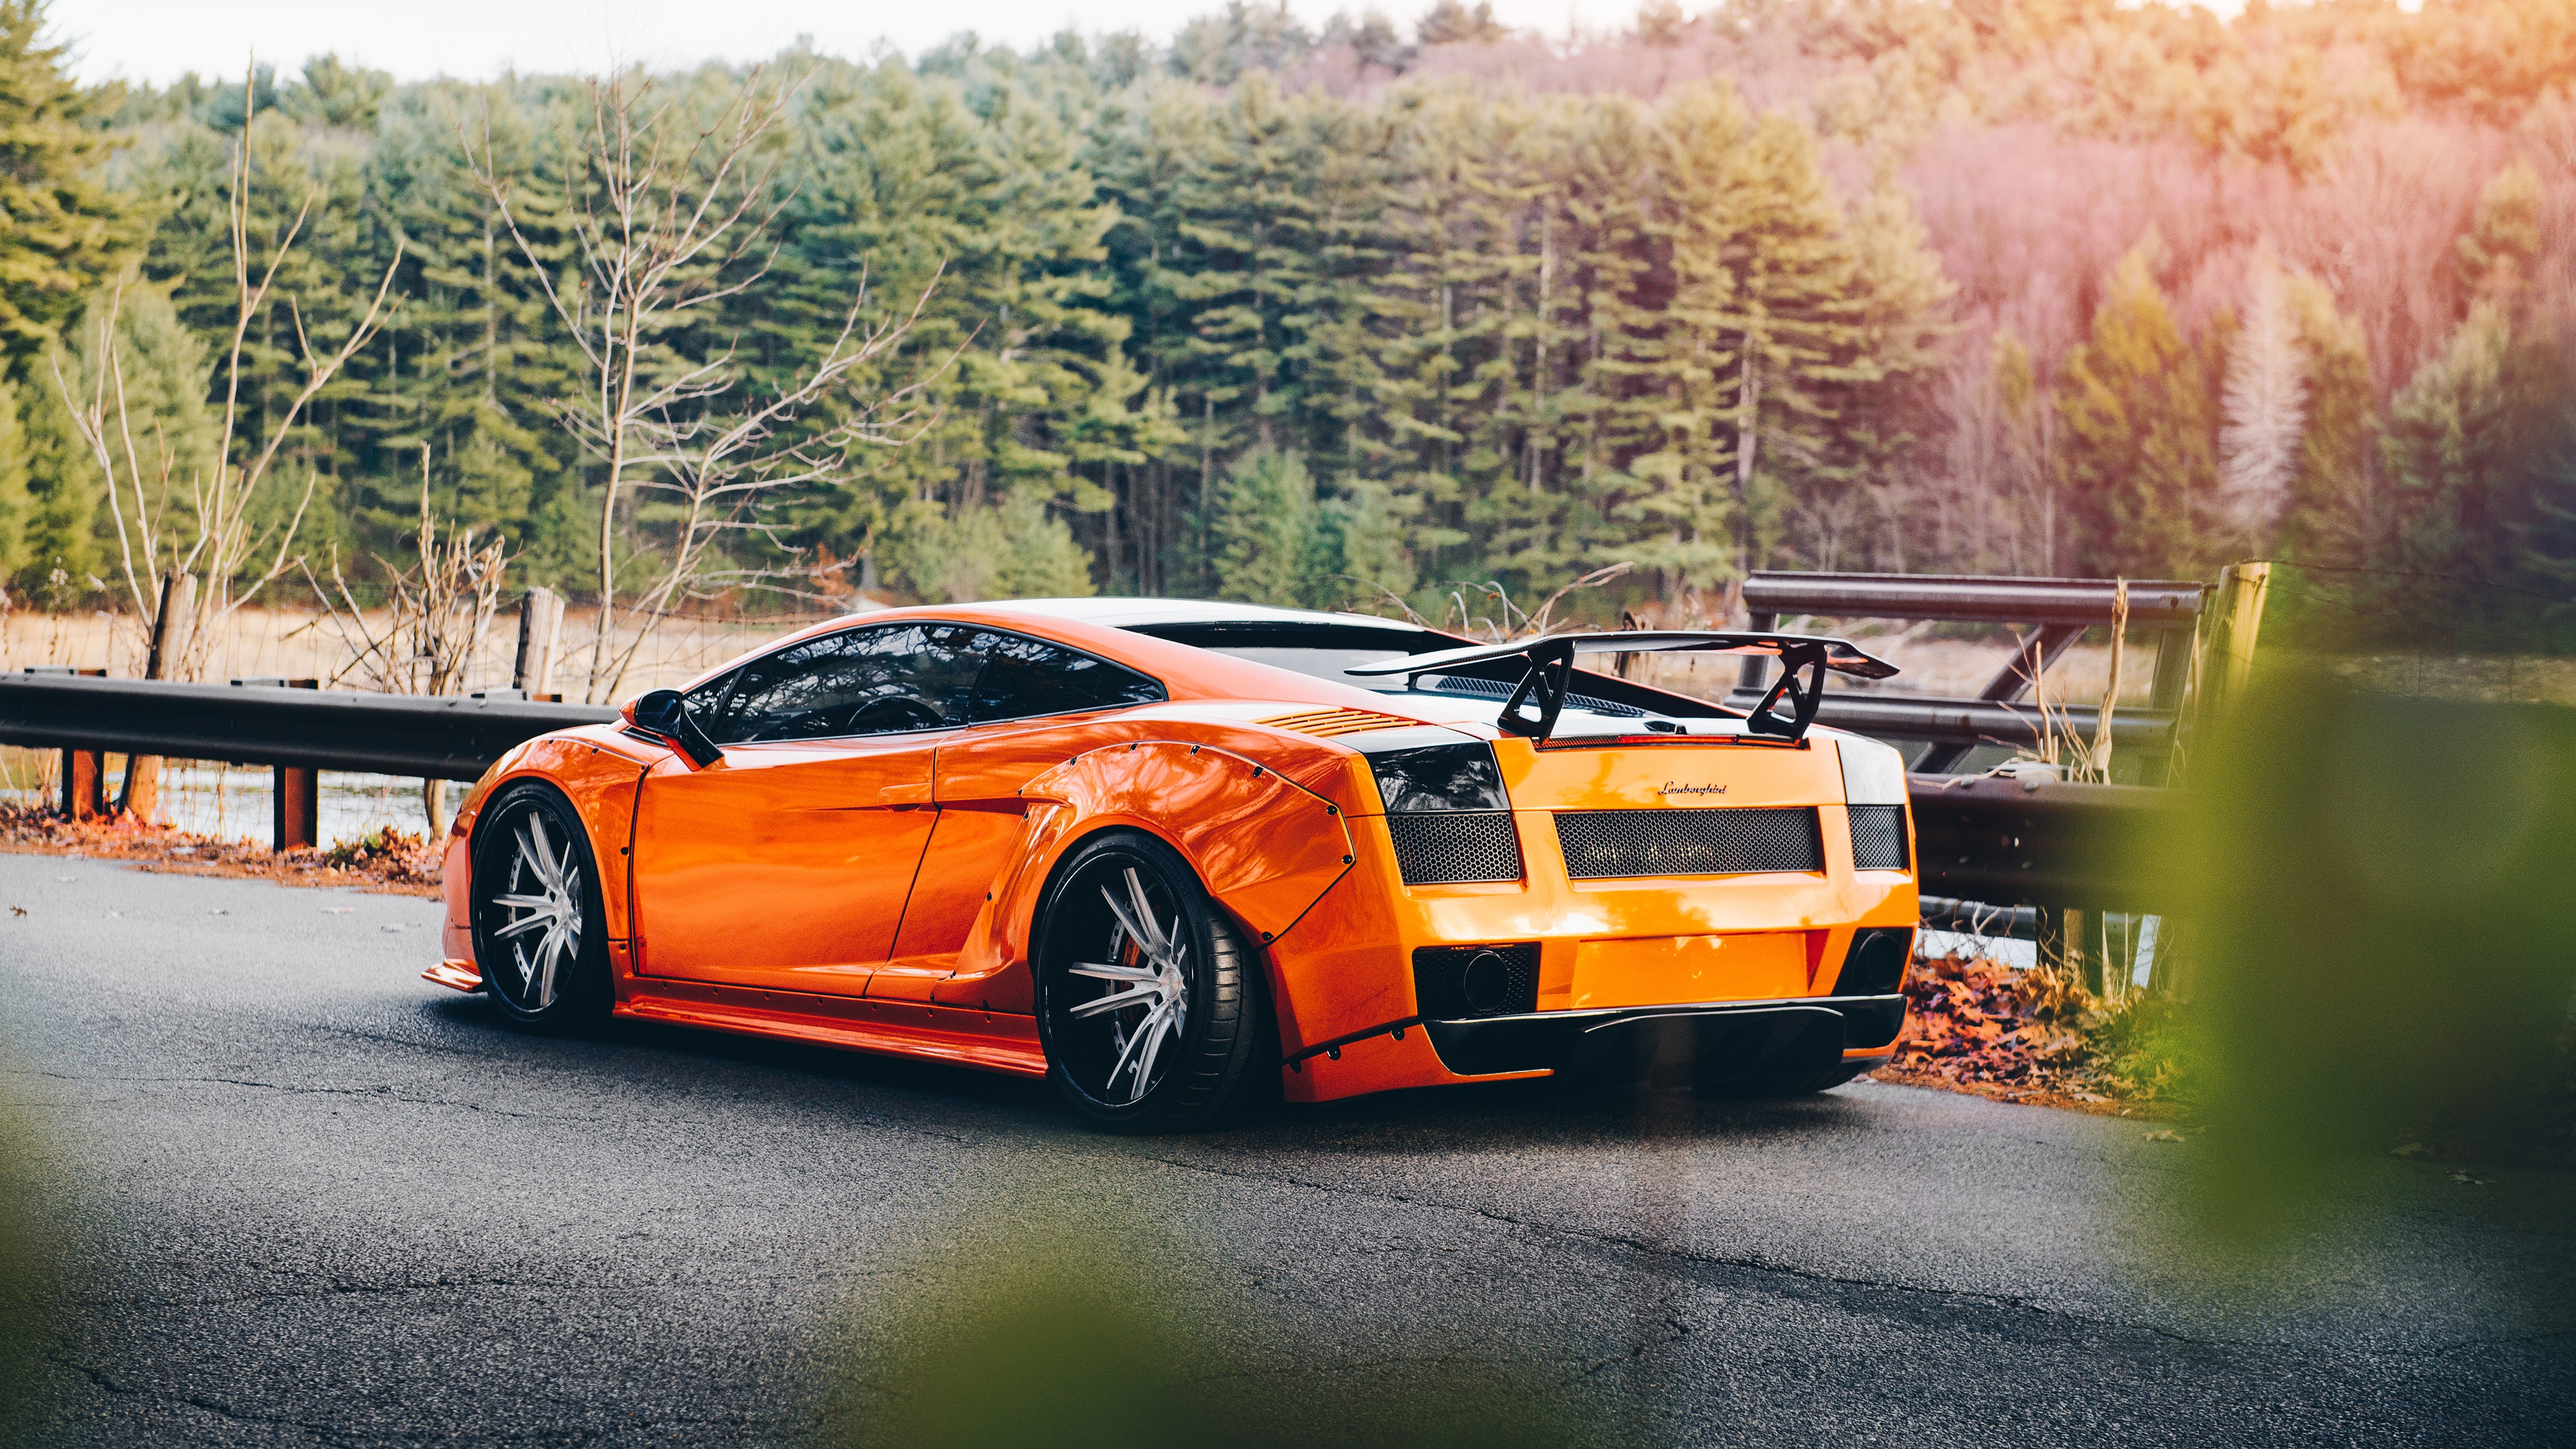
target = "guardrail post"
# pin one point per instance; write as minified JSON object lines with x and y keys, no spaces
{"x":295,"y":796}
{"x":84,"y":776}
{"x":84,"y":784}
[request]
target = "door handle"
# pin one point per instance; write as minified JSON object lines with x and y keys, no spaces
{"x":908,"y":794}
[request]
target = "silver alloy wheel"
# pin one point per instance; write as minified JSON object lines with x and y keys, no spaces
{"x":1149,"y":961}
{"x":553,"y":906}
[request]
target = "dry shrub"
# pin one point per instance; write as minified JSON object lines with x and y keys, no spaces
{"x":1976,"y":1022}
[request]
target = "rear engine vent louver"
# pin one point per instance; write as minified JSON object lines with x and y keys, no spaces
{"x":1331,"y":722}
{"x":1878,"y":837}
{"x":1451,"y":847}
{"x":1456,"y":983}
{"x":1616,"y":844}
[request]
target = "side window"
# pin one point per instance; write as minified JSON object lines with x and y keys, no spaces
{"x":1026,"y":677}
{"x":856,"y":682}
{"x":706,"y":703}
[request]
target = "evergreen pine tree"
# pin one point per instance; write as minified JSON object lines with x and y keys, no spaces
{"x":1255,"y":538}
{"x":164,"y":371}
{"x":468,"y":364}
{"x":65,"y":233}
{"x":2449,"y":454}
{"x":2332,"y":516}
{"x":2137,"y":440}
{"x":2265,"y":410}
{"x":17,"y":505}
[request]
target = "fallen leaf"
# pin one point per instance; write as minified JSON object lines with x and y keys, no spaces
{"x":2411,"y":1149}
{"x":17,"y":910}
{"x":2471,"y":1181}
{"x":2164,"y":1134}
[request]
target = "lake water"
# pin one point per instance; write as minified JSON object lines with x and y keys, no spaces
{"x":234,"y":802}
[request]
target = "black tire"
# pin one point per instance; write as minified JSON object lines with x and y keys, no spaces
{"x":1133,"y":1068}
{"x":542,"y":969}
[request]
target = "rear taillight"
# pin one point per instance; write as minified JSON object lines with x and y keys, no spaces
{"x":1447,"y":813}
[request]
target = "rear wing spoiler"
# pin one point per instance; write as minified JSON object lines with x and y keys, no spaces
{"x":1550,"y":666}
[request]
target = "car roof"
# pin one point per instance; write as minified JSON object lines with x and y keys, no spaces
{"x":1130,"y":613}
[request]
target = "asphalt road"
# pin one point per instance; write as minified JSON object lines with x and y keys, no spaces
{"x":301,"y":1197}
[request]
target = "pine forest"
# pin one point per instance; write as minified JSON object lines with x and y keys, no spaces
{"x":1341,"y":317}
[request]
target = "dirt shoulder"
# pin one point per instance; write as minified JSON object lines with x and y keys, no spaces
{"x":390,"y":861}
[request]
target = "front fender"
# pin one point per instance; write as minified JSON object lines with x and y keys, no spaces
{"x":599,"y":779}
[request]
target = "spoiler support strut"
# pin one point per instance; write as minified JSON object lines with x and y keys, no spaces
{"x":1550,"y":672}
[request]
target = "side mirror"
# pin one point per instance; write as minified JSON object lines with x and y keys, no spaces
{"x":664,"y":712}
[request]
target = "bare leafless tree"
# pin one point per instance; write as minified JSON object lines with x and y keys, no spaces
{"x":236,"y":555}
{"x":667,"y":222}
{"x":438,"y":610}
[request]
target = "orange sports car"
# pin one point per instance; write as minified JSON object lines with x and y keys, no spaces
{"x":1163,"y":852}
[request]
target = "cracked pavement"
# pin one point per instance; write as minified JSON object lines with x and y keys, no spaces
{"x":304,"y":1198}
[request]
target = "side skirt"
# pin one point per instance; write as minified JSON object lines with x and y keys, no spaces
{"x":993,"y":1041}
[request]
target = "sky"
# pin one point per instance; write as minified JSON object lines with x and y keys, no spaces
{"x":157,"y":40}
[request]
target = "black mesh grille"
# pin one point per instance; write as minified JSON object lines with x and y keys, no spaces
{"x":1878,"y":837}
{"x":1444,"y":847}
{"x":1606,"y":844}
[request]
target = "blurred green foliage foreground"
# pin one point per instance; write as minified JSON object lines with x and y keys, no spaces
{"x":2377,"y":891}
{"x":26,"y":1271}
{"x":1055,"y":1351}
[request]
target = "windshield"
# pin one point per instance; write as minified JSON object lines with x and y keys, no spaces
{"x":1321,"y":663}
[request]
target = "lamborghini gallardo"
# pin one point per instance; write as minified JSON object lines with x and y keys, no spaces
{"x":1175,"y":856}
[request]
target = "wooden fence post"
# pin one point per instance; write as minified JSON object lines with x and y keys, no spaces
{"x":540,"y":632}
{"x":2234,"y":624}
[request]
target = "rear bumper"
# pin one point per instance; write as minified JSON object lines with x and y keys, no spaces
{"x":1712,"y":1043}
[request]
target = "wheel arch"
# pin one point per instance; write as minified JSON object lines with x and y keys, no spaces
{"x":598,"y":785}
{"x":1264,"y":848}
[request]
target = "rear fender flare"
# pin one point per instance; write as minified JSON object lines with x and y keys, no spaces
{"x":1266,"y":849}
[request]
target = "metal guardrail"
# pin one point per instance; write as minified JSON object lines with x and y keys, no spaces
{"x":1971,"y":722}
{"x":1971,"y":598}
{"x":2006,"y":842}
{"x":2042,"y":843}
{"x":2163,"y":613}
{"x":432,"y":738}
